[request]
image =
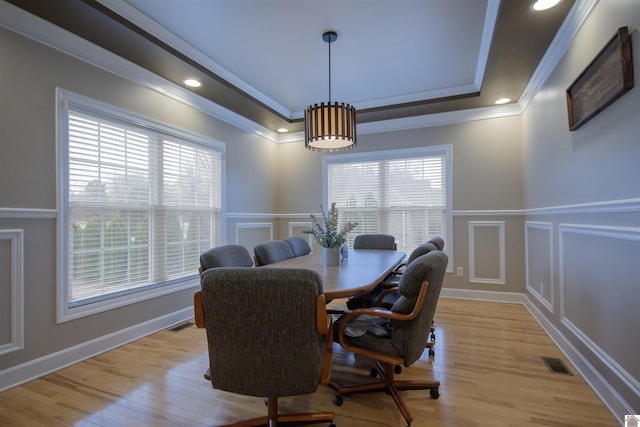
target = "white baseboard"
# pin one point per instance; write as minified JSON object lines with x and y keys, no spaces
{"x":612,"y":399}
{"x":33,"y":369}
{"x":609,"y":396}
{"x":508,"y":297}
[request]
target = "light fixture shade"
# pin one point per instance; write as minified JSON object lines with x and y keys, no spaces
{"x":330,"y":127}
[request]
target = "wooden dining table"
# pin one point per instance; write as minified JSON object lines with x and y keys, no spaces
{"x":360,"y":272}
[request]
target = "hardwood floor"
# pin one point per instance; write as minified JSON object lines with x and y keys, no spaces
{"x":488,"y":360}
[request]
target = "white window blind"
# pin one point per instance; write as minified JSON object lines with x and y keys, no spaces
{"x":402,"y":193}
{"x":142,"y":206}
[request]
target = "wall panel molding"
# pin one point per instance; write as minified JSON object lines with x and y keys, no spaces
{"x":16,"y":289}
{"x":537,"y":289}
{"x":596,"y":241}
{"x":599,"y":384}
{"x":243,"y":226}
{"x":474,"y":261}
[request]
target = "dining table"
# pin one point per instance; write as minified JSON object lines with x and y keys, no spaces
{"x":360,"y":272}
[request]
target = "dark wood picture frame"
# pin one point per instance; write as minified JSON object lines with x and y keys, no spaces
{"x":607,"y":77}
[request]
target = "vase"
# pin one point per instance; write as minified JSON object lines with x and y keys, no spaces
{"x":331,"y":256}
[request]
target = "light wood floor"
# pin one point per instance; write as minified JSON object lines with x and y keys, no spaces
{"x":488,"y":359}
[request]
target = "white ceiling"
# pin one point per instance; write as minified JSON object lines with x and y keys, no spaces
{"x":387,"y":52}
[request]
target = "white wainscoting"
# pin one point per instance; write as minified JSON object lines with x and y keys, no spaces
{"x":250,"y":234}
{"x":14,"y":292}
{"x":539,"y":262}
{"x":489,"y":236}
{"x":598,"y":279}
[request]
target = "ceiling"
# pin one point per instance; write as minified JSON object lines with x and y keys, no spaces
{"x":266,"y":60}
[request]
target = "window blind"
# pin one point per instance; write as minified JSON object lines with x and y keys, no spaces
{"x":142,"y":206}
{"x":404,"y":196}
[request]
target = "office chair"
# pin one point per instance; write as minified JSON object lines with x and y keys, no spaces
{"x":299,"y":245}
{"x":225,"y":256}
{"x":395,"y":337}
{"x":275,"y":349}
{"x":375,"y":241}
{"x":272,"y":251}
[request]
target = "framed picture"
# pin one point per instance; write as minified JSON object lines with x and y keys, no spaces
{"x":606,"y":78}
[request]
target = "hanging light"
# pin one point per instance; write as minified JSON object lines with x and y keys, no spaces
{"x":330,"y":127}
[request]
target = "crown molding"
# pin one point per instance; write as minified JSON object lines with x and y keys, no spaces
{"x":35,"y":28}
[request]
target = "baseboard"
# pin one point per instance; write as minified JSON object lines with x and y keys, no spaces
{"x":507,"y":297}
{"x":33,"y":369}
{"x":609,"y":396}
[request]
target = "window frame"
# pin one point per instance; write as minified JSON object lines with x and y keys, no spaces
{"x":66,"y":310}
{"x":444,"y":150}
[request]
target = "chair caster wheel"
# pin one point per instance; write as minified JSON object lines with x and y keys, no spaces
{"x":373,"y":373}
{"x":434,"y":393}
{"x":397,"y":369}
{"x":338,"y":400}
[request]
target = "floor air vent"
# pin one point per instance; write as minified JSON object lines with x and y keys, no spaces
{"x":556,"y":366}
{"x":181,"y":326}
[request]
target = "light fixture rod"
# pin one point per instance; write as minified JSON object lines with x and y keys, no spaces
{"x":329,"y":37}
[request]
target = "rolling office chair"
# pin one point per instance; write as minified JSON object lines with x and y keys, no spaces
{"x":395,"y":337}
{"x":386,"y":294}
{"x":272,"y":251}
{"x":375,"y":241}
{"x":275,"y":349}
{"x":299,"y":245}
{"x":224,"y":256}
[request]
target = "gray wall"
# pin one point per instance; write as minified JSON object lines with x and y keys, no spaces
{"x":582,"y":194}
{"x":565,"y":203}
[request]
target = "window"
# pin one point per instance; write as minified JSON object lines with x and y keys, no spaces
{"x":140,"y":202}
{"x":405,"y":193}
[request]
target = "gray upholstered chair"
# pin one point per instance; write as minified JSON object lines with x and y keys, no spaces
{"x":395,"y":337}
{"x":384,"y":295}
{"x":272,"y":350}
{"x":272,"y":251}
{"x":375,"y":241}
{"x":225,"y":256}
{"x":299,"y":245}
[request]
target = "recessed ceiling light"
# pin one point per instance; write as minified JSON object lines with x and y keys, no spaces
{"x":192,"y":83}
{"x":541,"y":5}
{"x":503,"y":101}
{"x":283,"y":130}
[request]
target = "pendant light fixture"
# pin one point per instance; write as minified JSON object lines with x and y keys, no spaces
{"x":330,"y":127}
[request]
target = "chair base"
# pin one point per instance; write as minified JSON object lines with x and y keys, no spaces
{"x":387,"y":384}
{"x":274,"y":419}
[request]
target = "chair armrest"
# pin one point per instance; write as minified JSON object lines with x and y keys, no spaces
{"x":198,"y":309}
{"x":324,"y":326}
{"x":379,"y":312}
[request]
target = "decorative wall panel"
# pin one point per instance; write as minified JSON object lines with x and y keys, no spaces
{"x":487,"y":252}
{"x":539,"y":262}
{"x":604,"y":313}
{"x":11,"y":290}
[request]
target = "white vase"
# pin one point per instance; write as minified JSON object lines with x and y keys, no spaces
{"x":331,"y":256}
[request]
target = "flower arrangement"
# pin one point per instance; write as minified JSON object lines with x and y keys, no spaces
{"x":327,"y":233}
